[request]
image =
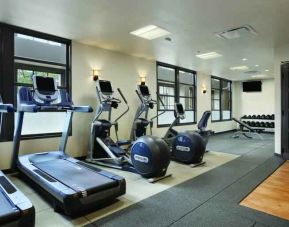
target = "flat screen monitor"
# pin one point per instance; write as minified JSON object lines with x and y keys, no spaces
{"x":45,"y":84}
{"x":179,"y":108}
{"x":252,"y":86}
{"x":105,"y":86}
{"x":144,"y":90}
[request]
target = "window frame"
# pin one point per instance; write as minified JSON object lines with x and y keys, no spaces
{"x":8,"y":85}
{"x":177,"y":96}
{"x":220,"y":98}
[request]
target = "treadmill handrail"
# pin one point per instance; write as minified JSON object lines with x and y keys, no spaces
{"x":33,"y":108}
{"x":6,"y":108}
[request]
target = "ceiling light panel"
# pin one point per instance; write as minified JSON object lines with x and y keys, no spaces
{"x":259,"y":76}
{"x":210,"y":55}
{"x":241,"y":68}
{"x":150,"y":32}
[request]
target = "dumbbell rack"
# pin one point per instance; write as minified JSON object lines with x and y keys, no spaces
{"x":270,"y":123}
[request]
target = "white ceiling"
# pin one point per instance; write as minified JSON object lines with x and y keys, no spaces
{"x":107,"y":23}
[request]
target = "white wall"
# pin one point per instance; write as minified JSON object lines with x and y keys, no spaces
{"x":123,"y":71}
{"x":258,"y":102}
{"x":281,"y":54}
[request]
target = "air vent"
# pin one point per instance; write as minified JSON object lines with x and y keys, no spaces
{"x":235,"y":33}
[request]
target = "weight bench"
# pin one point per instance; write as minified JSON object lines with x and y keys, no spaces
{"x":249,"y":132}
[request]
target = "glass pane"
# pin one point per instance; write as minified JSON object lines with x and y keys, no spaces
{"x":226,"y":115}
{"x":167,"y":118}
{"x":25,"y":76}
{"x":215,"y":94}
{"x":215,"y":104}
{"x":186,"y":90}
{"x":215,"y":83}
{"x":226,"y":100}
{"x":186,"y":78}
{"x":165,"y":73}
{"x":37,"y":123}
{"x":40,"y":49}
{"x":166,"y":89}
{"x":190,"y":117}
{"x":226,"y":85}
{"x":215,"y":115}
{"x":168,"y":102}
{"x":187,"y":103}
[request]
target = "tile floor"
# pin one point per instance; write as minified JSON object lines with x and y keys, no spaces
{"x":137,"y":189}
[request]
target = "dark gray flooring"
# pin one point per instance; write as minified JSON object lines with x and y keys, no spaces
{"x":210,"y":199}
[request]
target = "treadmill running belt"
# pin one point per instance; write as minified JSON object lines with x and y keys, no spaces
{"x":7,"y":210}
{"x":75,"y":176}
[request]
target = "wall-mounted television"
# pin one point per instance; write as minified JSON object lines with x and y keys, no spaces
{"x":252,"y":86}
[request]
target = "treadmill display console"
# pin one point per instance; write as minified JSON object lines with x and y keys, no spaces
{"x":45,"y":85}
{"x":105,"y":87}
{"x":144,"y":90}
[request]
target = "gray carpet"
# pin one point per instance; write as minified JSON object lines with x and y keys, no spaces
{"x":210,"y":199}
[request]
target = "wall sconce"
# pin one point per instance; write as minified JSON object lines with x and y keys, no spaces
{"x":95,"y":74}
{"x":142,"y":80}
{"x":204,"y":89}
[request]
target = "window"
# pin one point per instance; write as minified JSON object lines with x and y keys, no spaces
{"x":221,"y":92}
{"x":31,"y":53}
{"x":175,"y":84}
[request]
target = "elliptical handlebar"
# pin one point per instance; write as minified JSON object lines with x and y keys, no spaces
{"x":122,"y":96}
{"x":124,"y":99}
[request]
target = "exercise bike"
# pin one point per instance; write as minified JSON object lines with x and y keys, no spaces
{"x":187,"y":147}
{"x":149,"y":156}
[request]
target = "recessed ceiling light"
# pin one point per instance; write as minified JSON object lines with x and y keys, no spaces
{"x":256,"y":65}
{"x":244,"y":59}
{"x":209,"y":55}
{"x":266,"y":70}
{"x":241,"y":67}
{"x":259,"y":76}
{"x":150,"y":32}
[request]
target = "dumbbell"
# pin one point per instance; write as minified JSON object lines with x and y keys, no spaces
{"x":267,"y":117}
{"x":253,"y":123}
{"x":262,"y":124}
{"x":254,"y":116}
{"x":258,"y":124}
{"x":273,"y":116}
{"x":249,"y":116}
{"x":245,"y":117}
{"x":267,"y":124}
{"x":263,"y":116}
{"x":272,"y":125}
{"x":259,"y":116}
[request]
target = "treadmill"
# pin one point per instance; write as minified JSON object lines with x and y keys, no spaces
{"x":15,"y":207}
{"x":72,"y":186}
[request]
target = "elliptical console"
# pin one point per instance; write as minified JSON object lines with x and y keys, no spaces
{"x":149,"y":156}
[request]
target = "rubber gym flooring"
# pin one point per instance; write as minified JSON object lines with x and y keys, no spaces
{"x":210,"y":199}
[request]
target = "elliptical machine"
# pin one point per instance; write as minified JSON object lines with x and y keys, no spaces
{"x":149,"y":156}
{"x":187,"y":147}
